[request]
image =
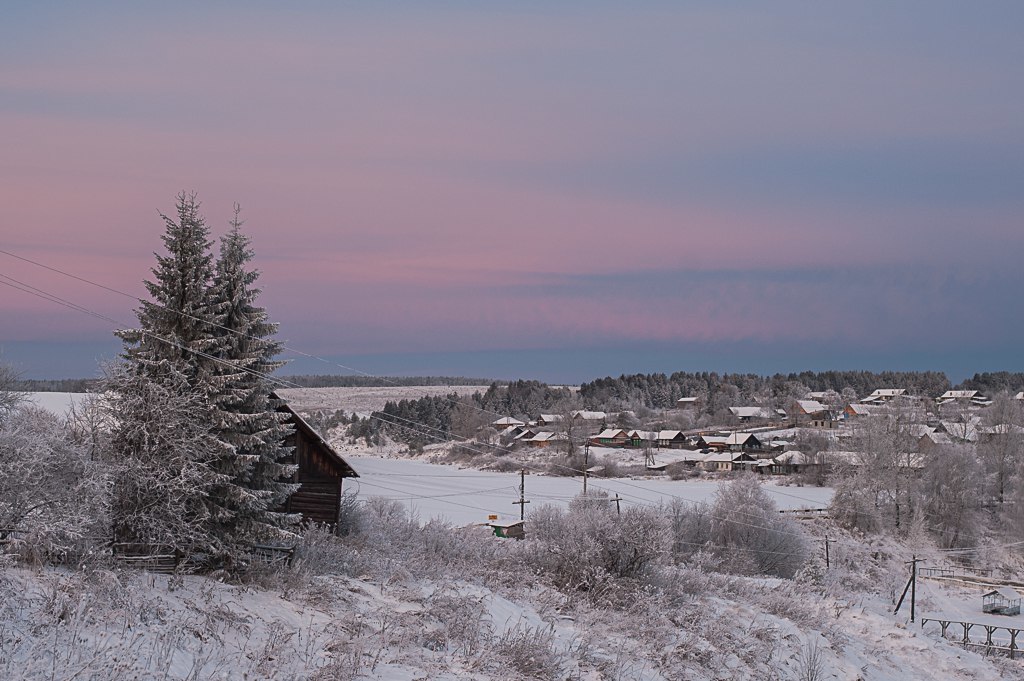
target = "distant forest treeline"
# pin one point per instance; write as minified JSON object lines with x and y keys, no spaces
{"x":660,"y":391}
{"x":651,"y":390}
{"x":318,"y":381}
{"x":430,"y":419}
{"x":436,"y":418}
{"x":55,"y":385}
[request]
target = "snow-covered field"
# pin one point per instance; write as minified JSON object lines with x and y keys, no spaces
{"x":56,"y":403}
{"x":465,"y":496}
{"x":365,"y":400}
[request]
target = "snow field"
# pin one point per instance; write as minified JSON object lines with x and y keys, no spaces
{"x":465,"y":496}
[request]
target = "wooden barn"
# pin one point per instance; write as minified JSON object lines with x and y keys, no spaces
{"x":320,"y":474}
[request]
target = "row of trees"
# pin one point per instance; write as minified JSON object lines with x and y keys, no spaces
{"x":957,"y":490}
{"x":718,"y":391}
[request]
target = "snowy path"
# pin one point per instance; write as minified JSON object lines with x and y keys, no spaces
{"x":468,"y":496}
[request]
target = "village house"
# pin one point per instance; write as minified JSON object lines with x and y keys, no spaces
{"x":963,"y":431}
{"x":856,"y":410}
{"x":542,"y":439}
{"x":964,"y":397}
{"x":688,"y":403}
{"x":643,"y":438}
{"x":672,"y":439}
{"x":929,"y":441}
{"x":611,"y":437}
{"x":725,"y":461}
{"x":755,"y":413}
{"x":743,"y":442}
{"x":505,"y":422}
{"x":549,"y":419}
{"x":884,"y":395}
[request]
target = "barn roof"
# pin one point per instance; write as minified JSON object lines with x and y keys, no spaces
{"x":302,"y":426}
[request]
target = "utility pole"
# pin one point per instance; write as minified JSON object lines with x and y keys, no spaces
{"x":617,"y":499}
{"x":827,"y":562}
{"x":522,"y":495}
{"x":912,"y":586}
{"x":586,"y":463}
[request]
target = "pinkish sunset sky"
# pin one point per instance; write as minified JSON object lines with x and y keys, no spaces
{"x":545,"y":190}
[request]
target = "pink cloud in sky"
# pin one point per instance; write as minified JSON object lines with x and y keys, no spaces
{"x":454,"y":179}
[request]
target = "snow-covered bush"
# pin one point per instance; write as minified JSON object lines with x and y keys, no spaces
{"x":749,"y":534}
{"x":531,"y":651}
{"x":741,"y":532}
{"x":53,"y":495}
{"x":590,"y":546}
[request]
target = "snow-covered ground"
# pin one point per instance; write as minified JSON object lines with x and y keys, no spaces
{"x":465,"y":496}
{"x":365,"y":400}
{"x":56,"y":403}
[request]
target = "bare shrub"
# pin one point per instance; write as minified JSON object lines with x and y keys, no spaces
{"x":810,"y":662}
{"x":681,"y":471}
{"x":531,"y":651}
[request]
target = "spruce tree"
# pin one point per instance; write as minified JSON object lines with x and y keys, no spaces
{"x":248,"y":420}
{"x":171,"y":349}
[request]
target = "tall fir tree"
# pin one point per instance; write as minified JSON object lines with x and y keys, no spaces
{"x":172,"y":349}
{"x":174,"y":328}
{"x":249,"y":421}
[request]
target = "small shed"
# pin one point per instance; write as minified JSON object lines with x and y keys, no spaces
{"x":508,"y":529}
{"x":1001,"y":601}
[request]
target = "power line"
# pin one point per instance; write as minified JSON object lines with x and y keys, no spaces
{"x":444,"y":437}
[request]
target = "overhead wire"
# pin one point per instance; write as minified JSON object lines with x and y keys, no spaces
{"x":414,"y":426}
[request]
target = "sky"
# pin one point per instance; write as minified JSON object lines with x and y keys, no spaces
{"x":559,"y":191}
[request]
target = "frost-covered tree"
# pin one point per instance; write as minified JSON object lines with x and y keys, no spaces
{"x":174,"y":335}
{"x":750,"y":535}
{"x":163,"y":457}
{"x":52,"y":493}
{"x":247,"y":417}
{"x":174,"y":347}
{"x":202,"y":341}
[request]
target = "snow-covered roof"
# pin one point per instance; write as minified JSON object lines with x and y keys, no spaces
{"x":1019,"y":396}
{"x":919,"y":429}
{"x":687,"y":400}
{"x":738,"y":438}
{"x":884,"y":395}
{"x":793,"y":457}
{"x":811,"y":406}
{"x":590,"y":415}
{"x":542,"y":436}
{"x":611,"y":433}
{"x":859,"y":409}
{"x":507,"y":421}
{"x":938,"y":438}
{"x":751,"y":412}
{"x":958,"y":394}
{"x":643,"y":434}
{"x":668,"y":434}
{"x":962,"y":430}
{"x":1006,"y":592}
{"x":550,"y":418}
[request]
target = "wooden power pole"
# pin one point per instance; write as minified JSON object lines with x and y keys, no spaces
{"x":522,"y":495}
{"x":912,"y":586}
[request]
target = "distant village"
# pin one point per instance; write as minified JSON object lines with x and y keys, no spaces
{"x":817,"y":432}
